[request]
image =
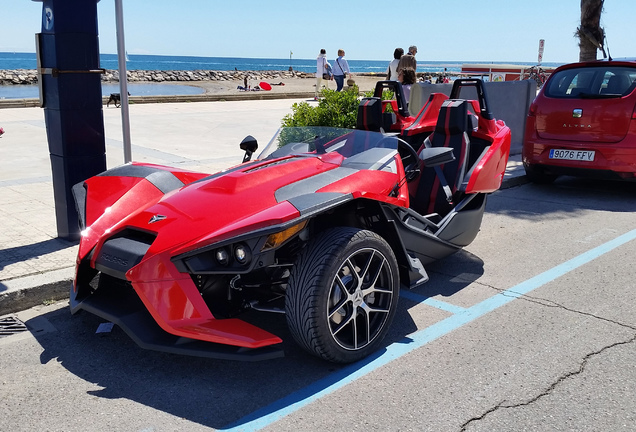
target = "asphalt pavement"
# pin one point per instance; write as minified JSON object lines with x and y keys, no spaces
{"x":36,"y":266}
{"x":531,"y":327}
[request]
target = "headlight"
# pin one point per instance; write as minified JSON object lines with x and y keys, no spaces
{"x":242,"y":254}
{"x":222,"y":257}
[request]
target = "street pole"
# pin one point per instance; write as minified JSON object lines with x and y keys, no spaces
{"x":123,"y":81}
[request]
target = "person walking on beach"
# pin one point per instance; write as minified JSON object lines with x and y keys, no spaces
{"x":408,"y":60}
{"x":340,"y":70}
{"x":391,"y":71}
{"x":322,"y":72}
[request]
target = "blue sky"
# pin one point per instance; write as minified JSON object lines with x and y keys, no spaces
{"x":453,"y":30}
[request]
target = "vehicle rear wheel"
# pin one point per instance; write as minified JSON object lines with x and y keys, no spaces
{"x":342,"y":294}
{"x":537,"y":175}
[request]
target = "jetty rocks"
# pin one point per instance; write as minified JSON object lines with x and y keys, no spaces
{"x":30,"y":76}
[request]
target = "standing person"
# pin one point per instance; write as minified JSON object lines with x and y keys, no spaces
{"x":322,"y":68}
{"x":340,"y":70}
{"x":407,"y":77}
{"x":408,"y":60}
{"x":391,"y":71}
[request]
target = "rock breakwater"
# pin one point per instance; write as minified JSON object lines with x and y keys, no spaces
{"x":30,"y":76}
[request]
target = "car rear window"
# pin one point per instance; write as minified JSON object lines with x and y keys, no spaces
{"x":592,"y":82}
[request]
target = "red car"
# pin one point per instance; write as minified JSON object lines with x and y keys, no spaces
{"x":324,"y":227}
{"x":583,"y":123}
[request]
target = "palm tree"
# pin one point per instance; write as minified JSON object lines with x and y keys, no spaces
{"x":590,"y":34}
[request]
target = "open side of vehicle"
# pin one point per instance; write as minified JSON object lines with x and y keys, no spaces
{"x":324,"y":226}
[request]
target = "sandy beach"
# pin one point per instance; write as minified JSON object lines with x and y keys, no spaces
{"x":283,"y":87}
{"x":291,"y":85}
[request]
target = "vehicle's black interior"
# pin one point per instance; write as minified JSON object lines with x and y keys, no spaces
{"x":438,"y":188}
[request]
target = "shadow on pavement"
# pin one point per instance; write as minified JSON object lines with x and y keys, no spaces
{"x":573,"y":194}
{"x":23,"y":253}
{"x":213,"y":393}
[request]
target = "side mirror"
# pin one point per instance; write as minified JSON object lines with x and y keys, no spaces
{"x":434,"y":156}
{"x":249,"y":145}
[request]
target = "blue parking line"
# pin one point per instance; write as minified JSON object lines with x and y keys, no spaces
{"x":431,"y":302}
{"x":303,"y":397}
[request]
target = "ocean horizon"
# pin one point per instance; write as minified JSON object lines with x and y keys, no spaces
{"x":16,"y":61}
{"x":12,"y":61}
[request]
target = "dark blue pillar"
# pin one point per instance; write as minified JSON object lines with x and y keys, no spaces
{"x":71,"y":95}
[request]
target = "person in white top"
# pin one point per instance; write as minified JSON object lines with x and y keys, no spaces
{"x":391,"y":71}
{"x":340,"y":70}
{"x":322,"y":67}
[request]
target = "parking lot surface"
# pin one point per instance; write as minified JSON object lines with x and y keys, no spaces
{"x":532,"y":327}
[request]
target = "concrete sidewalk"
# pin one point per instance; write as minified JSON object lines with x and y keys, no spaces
{"x":36,"y":266}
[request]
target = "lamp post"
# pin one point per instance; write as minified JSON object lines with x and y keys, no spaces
{"x":123,"y":81}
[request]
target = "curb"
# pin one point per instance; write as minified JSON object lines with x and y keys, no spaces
{"x":205,"y":97}
{"x":28,"y":291}
{"x":514,"y":181}
{"x":35,"y":103}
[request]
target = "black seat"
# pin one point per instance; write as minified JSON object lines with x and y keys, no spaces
{"x":370,"y":115}
{"x":438,"y":189}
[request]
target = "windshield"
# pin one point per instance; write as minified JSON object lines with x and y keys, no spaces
{"x":360,"y":148}
{"x":592,"y":82}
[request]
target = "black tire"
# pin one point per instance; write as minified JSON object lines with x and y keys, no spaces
{"x":333,"y":312}
{"x":538,"y":176}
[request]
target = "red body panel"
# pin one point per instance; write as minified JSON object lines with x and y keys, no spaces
{"x":618,"y":157}
{"x":425,"y":120}
{"x":114,"y":215}
{"x":177,"y":306}
{"x":488,"y":174}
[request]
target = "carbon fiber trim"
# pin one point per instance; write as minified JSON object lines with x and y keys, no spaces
{"x":314,"y":202}
{"x":312,"y":184}
{"x":163,"y":180}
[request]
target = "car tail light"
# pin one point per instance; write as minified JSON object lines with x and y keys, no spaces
{"x":634,"y":113}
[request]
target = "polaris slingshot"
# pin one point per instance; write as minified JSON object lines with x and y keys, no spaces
{"x":325,"y":226}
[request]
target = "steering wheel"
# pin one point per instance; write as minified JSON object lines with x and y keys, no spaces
{"x":410,"y":160}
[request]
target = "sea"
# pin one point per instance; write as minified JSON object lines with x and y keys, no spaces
{"x":12,"y":61}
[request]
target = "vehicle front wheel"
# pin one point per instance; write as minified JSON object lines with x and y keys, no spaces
{"x":342,"y":294}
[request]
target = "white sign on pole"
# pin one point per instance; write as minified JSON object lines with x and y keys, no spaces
{"x":541,"y":45}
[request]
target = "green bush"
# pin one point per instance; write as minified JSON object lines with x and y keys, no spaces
{"x":335,"y":109}
{"x":386,"y":94}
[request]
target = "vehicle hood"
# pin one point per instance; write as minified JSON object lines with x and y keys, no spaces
{"x":225,"y":204}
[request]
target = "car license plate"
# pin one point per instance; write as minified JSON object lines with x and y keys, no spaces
{"x":579,"y":155}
